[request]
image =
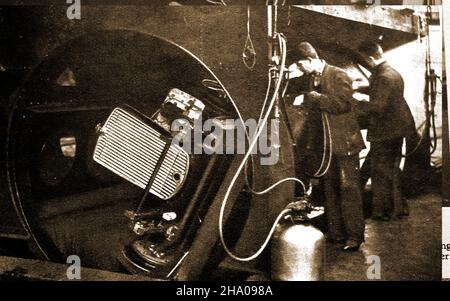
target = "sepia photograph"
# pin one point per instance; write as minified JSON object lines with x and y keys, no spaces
{"x":224,"y":140}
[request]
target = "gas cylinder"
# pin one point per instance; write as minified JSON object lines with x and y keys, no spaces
{"x":297,"y":251}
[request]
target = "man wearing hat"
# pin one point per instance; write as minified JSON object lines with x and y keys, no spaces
{"x":331,"y":93}
{"x":390,"y":120}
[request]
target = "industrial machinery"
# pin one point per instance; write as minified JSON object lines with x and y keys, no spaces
{"x":82,"y":145}
{"x":93,"y":166}
{"x":175,"y":197}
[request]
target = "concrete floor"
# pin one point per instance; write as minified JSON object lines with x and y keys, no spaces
{"x":409,"y":249}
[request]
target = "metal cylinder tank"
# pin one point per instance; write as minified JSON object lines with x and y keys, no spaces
{"x":297,"y":252}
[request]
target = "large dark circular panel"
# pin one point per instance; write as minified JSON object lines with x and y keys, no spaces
{"x":71,"y":204}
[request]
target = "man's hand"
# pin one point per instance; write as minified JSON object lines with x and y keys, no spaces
{"x":313,"y":95}
{"x":298,"y":101}
{"x":312,"y":100}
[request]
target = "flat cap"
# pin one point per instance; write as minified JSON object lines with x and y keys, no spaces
{"x":306,"y":51}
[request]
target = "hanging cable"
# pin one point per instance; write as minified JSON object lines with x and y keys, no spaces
{"x":289,"y":16}
{"x":269,"y":84}
{"x":282,"y":45}
{"x":327,"y":138}
{"x":419,"y":143}
{"x":249,"y":53}
{"x":249,"y":186}
{"x":285,"y":113}
{"x":266,"y":98}
{"x":433,"y":93}
{"x":327,"y":141}
{"x":261,"y":125}
{"x":327,"y":150}
{"x":278,"y":183}
{"x":264,"y":245}
{"x":430,"y":85}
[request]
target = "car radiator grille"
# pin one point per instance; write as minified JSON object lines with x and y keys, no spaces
{"x":134,"y":150}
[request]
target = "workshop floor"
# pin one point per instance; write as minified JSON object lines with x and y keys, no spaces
{"x":408,"y":249}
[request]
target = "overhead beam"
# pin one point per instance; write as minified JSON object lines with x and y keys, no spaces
{"x":383,"y":16}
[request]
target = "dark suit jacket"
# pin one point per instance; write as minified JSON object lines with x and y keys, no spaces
{"x":336,"y":98}
{"x":388,"y":112}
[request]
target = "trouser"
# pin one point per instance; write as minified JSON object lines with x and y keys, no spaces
{"x":385,"y":173}
{"x":364,"y":171}
{"x":343,"y":201}
{"x":411,"y":149}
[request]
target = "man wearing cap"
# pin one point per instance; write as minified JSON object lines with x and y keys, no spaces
{"x":390,"y":120}
{"x":331,"y":93}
